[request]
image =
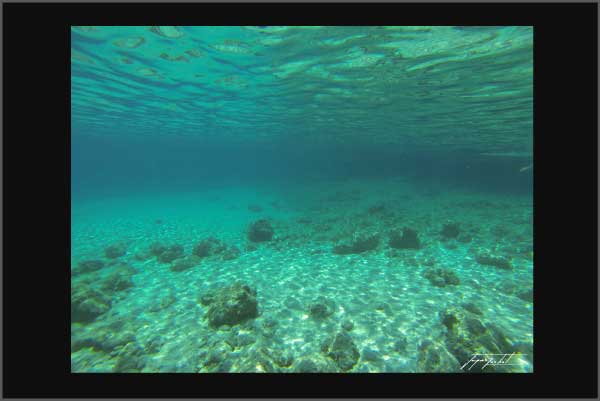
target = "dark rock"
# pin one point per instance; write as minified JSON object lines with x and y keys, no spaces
{"x":117,"y":281}
{"x":130,"y":359}
{"x":316,"y":365}
{"x":347,"y":325}
{"x":474,"y":326}
{"x":260,"y":231}
{"x":408,"y":239}
{"x":344,"y":352}
{"x":87,"y":266}
{"x":185,"y":263}
{"x":401,"y":344}
{"x":361,"y":242}
{"x":471,"y":307}
{"x":232,"y":305}
{"x":209,"y":247}
{"x":171,"y":253}
{"x":283,"y":359}
{"x":495,"y":261}
{"x":251,"y":247}
{"x":157,"y":248}
{"x":441,"y":277}
{"x":371,"y":355}
{"x":87,"y":304}
{"x":115,"y":251}
{"x":321,"y":308}
{"x":231,"y":253}
{"x":450,"y":230}
{"x":306,"y":365}
{"x":449,"y":319}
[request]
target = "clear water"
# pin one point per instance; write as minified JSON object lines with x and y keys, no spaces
{"x":338,"y":137}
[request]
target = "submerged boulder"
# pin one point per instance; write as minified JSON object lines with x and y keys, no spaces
{"x":407,"y":239}
{"x":209,"y":247}
{"x":321,"y":308}
{"x":361,"y":242}
{"x":87,"y":304}
{"x":343,"y":351}
{"x":260,"y":231}
{"x":230,"y":305}
{"x":87,"y":266}
{"x":185,"y":263}
{"x":171,"y":253}
{"x":450,"y":230}
{"x":441,"y":277}
{"x":115,"y":251}
{"x":495,"y":261}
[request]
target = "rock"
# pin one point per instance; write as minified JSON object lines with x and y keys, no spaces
{"x":251,"y":247}
{"x":131,"y":359}
{"x":441,"y":277}
{"x":314,"y":365}
{"x":87,"y":266}
{"x":156,"y":248}
{"x":321,"y":308}
{"x":471,"y":307}
{"x":361,"y":242}
{"x":400,"y":345}
{"x":450,"y":230}
{"x":87,"y":304}
{"x":344,"y":352}
{"x":171,"y":253}
{"x":369,"y":354}
{"x":118,"y":280}
{"x":408,"y":239}
{"x":185,"y":263}
{"x":260,"y":231}
{"x":209,"y":247}
{"x":115,"y":251}
{"x":495,"y":261}
{"x":231,"y":253}
{"x":347,"y":325}
{"x":231,"y":305}
{"x":283,"y":359}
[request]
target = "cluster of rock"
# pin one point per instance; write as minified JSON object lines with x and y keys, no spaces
{"x":93,"y":286}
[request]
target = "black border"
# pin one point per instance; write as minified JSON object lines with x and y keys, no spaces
{"x":36,"y":204}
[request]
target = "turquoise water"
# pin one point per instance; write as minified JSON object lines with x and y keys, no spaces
{"x":301,"y":199}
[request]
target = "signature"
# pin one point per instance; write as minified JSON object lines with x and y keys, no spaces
{"x":491,"y":359}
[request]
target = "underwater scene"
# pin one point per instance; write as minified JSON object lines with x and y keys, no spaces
{"x":301,"y":199}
